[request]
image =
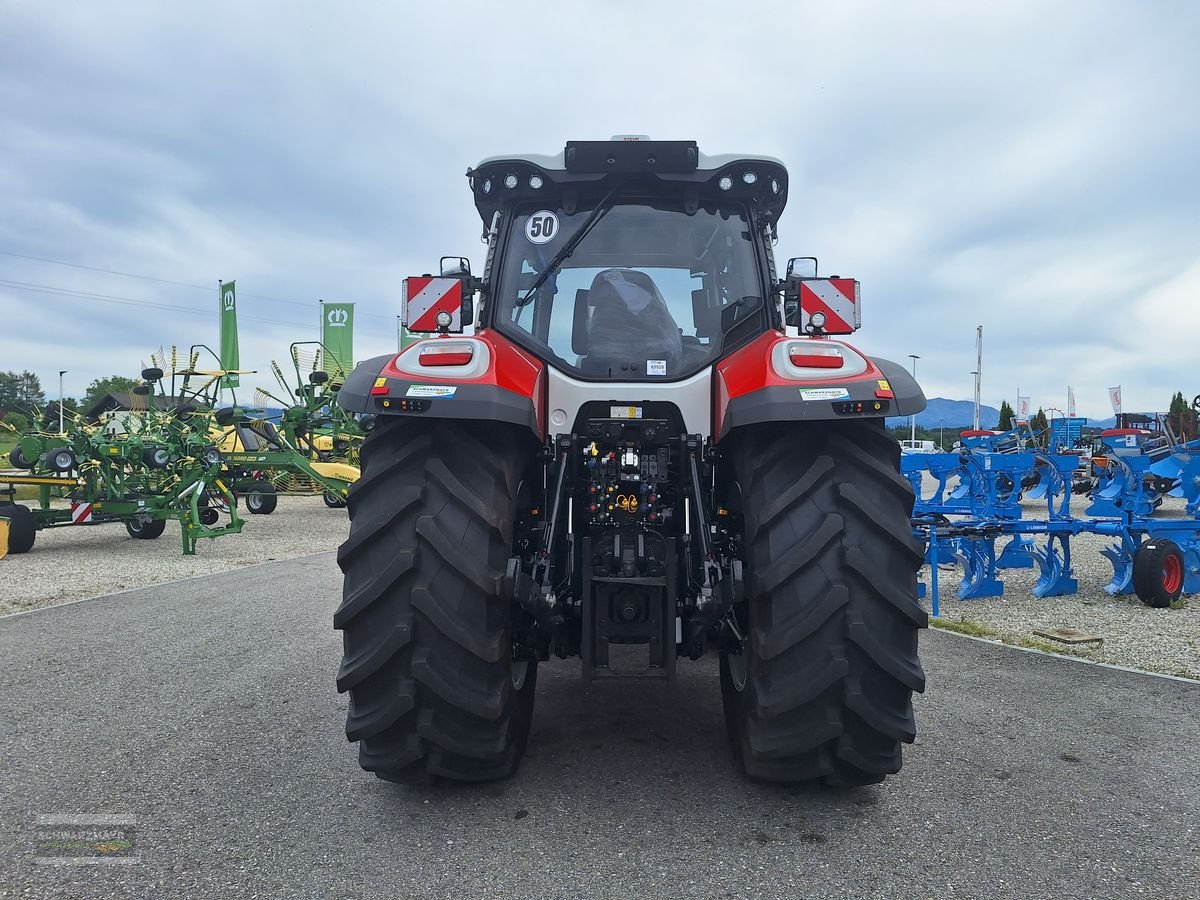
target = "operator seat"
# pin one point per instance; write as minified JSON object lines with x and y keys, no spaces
{"x":630,"y":325}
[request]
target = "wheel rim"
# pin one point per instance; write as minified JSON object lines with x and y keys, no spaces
{"x":62,"y":461}
{"x":520,"y":671}
{"x":1172,"y":574}
{"x":736,"y":662}
{"x":254,"y":501}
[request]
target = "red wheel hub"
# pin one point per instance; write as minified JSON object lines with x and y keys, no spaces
{"x":1172,"y":574}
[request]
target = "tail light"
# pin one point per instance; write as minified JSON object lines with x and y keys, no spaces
{"x":814,"y":356}
{"x":446,"y":353}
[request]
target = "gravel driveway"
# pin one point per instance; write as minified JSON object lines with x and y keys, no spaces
{"x":72,"y":563}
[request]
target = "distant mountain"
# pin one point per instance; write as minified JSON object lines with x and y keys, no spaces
{"x":943,"y":413}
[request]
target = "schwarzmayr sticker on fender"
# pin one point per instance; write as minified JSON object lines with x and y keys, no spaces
{"x":824,"y":394}
{"x":431,"y":390}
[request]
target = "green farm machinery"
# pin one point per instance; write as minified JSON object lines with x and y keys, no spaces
{"x":153,"y":466}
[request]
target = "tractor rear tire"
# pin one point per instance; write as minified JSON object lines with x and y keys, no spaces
{"x":21,"y":528}
{"x":145,"y":530}
{"x":1158,"y":572}
{"x":434,"y":690}
{"x":261,"y":497}
{"x":823,"y":686}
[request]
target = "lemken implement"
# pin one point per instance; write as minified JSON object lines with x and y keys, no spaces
{"x":649,"y":446}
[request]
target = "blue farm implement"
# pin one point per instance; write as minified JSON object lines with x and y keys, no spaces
{"x":962,"y":521}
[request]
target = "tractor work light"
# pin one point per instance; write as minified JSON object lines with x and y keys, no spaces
{"x":447,"y":353}
{"x":443,"y":319}
{"x":726,"y":183}
{"x":536,"y":182}
{"x":510,"y":181}
{"x":749,"y":177}
{"x":487,"y":185}
{"x":817,"y":319}
{"x":774,"y":186}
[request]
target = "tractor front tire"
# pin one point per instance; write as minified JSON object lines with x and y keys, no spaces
{"x":428,"y":661}
{"x":823,"y":686}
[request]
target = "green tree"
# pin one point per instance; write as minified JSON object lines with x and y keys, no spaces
{"x":21,"y":391}
{"x":1007,"y":414}
{"x":1181,"y":418}
{"x":1039,"y":426}
{"x":16,"y":420}
{"x":101,"y":387}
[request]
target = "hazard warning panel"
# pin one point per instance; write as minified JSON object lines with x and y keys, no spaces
{"x":426,"y":297}
{"x":836,"y":299}
{"x":81,"y":513}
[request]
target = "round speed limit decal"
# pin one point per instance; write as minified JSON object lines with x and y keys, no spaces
{"x":541,"y":227}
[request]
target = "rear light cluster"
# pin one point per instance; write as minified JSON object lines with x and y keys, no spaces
{"x":446,"y":353}
{"x":815,"y":356}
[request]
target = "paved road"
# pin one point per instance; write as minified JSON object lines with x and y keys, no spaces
{"x":206,"y":711}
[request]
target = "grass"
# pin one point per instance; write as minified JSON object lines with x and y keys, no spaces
{"x":977,"y":629}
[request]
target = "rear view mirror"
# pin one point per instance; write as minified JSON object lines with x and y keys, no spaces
{"x":455,"y":267}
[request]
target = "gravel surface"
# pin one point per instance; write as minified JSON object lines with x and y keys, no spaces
{"x":72,"y":563}
{"x":209,"y":716}
{"x":1135,"y":635}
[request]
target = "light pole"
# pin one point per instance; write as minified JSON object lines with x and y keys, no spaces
{"x":941,"y":436}
{"x":61,"y":373}
{"x":914,"y":359}
{"x":975,"y":425}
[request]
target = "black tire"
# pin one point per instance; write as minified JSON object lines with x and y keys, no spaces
{"x":261,"y":498}
{"x":823,"y":689}
{"x":1158,"y":572}
{"x":333,"y":501}
{"x":17,"y":458}
{"x":145,"y":529}
{"x":21,"y":529}
{"x":60,"y":460}
{"x":434,"y":691}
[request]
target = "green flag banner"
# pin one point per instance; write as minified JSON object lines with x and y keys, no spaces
{"x":229,"y":337}
{"x":337,"y":334}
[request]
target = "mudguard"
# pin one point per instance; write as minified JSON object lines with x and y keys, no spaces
{"x":756,"y":385}
{"x":501,"y":383}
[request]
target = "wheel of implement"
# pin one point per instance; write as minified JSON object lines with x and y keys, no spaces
{"x":821,"y":685}
{"x":209,"y":516}
{"x":333,"y":501}
{"x":21,"y":528}
{"x":261,"y":498}
{"x":1158,"y":571}
{"x":17,"y":458}
{"x":146,"y":529}
{"x":428,"y":661}
{"x":61,"y":460}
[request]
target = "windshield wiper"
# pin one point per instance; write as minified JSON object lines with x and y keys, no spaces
{"x":569,"y":247}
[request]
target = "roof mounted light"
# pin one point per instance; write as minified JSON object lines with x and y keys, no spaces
{"x":510,"y":181}
{"x":535,"y":182}
{"x":487,"y":185}
{"x":774,"y":186}
{"x":749,"y":177}
{"x":725,"y":183}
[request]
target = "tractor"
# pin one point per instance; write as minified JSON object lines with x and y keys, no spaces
{"x":630,"y":440}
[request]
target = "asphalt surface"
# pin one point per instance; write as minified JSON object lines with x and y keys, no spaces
{"x":206,"y":712}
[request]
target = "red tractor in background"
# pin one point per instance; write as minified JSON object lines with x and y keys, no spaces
{"x":651,"y":446}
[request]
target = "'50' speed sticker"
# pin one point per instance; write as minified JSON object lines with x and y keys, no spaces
{"x":541,"y":227}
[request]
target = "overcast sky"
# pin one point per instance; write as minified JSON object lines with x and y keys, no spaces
{"x":1032,"y":167}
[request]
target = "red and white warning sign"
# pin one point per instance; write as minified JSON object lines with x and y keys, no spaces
{"x":834,"y":298}
{"x":425,"y":297}
{"x":81,"y":513}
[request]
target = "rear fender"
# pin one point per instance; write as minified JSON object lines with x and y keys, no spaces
{"x":501,"y":383}
{"x":759,"y":384}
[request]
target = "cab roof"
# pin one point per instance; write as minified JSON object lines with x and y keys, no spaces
{"x":585,"y":170}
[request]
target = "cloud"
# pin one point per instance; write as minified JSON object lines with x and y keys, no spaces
{"x":1021,"y":166}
